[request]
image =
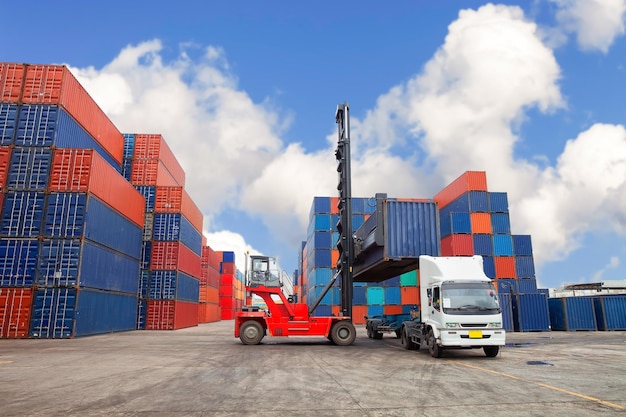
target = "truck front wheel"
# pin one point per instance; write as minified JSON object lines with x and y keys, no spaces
{"x":343,"y":333}
{"x":435,"y":350}
{"x":251,"y":332}
{"x":491,"y":351}
{"x":406,"y":341}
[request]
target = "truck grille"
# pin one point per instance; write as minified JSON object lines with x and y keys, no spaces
{"x":473,"y":325}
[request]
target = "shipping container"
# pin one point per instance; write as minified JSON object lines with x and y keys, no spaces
{"x":483,"y":244}
{"x":468,"y":181}
{"x":175,"y":256}
{"x":500,"y":223}
{"x":171,"y":315}
{"x":15,"y":308}
{"x":504,"y":267}
{"x":8,"y":123}
{"x":175,"y":227}
{"x":5,"y":159}
{"x":393,"y":296}
{"x":506,"y":305}
{"x":502,"y":245}
{"x":154,"y":146}
{"x":52,"y":127}
{"x":82,"y":215}
{"x":527,"y":285}
{"x":22,"y":214}
{"x":408,"y":279}
{"x":129,"y":145}
{"x":151,"y":172}
{"x":18,"y":262}
{"x":610,"y":311}
{"x":83,"y":170}
{"x":149,"y":194}
{"x":481,"y":222}
{"x":209,"y":294}
{"x":457,"y":245}
{"x":82,"y":263}
{"x":530,"y":313}
{"x":522,"y":245}
{"x":173,"y":285}
{"x":11,"y":81}
{"x":29,"y":169}
{"x":489,"y":266}
{"x":209,"y":313}
{"x":572,"y":313}
{"x":148,"y":227}
{"x":55,"y":84}
{"x":524,"y":267}
{"x":359,"y":295}
{"x":455,"y":223}
{"x":498,"y":203}
{"x":375,"y":295}
{"x":144,"y":284}
{"x":68,"y":312}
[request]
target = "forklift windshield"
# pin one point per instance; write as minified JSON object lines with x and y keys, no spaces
{"x":264,"y":272}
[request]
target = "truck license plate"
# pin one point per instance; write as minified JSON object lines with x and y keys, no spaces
{"x":475,"y":334}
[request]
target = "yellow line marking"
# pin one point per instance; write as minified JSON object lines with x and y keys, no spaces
{"x":5,"y":362}
{"x":586,"y":397}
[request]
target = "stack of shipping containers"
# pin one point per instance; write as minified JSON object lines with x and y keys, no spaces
{"x":172,"y":236}
{"x":70,"y":222}
{"x":232,"y":291}
{"x":474,"y":221}
{"x":208,"y":307}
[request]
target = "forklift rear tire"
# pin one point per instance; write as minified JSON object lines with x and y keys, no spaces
{"x":343,"y":333}
{"x":251,"y":332}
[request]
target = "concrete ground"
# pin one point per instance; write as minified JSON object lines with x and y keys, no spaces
{"x":205,"y":371}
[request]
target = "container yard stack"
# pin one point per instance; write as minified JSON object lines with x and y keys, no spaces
{"x":474,"y":221}
{"x":172,"y":236}
{"x":209,"y":307}
{"x":47,"y":120}
{"x":232,"y":290}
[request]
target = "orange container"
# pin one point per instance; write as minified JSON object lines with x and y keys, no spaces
{"x":410,"y":295}
{"x":481,"y":223}
{"x":335,"y":310}
{"x":11,"y":82}
{"x":171,"y":315}
{"x":457,"y":245}
{"x":228,"y":268}
{"x":333,"y":205}
{"x":334,"y":256}
{"x":209,"y":294}
{"x":389,"y":309}
{"x":153,"y":146}
{"x":174,"y":256}
{"x":150,"y":172}
{"x":55,"y":84}
{"x":209,"y":313}
{"x":84,"y":170}
{"x":5,"y":159}
{"x":15,"y":308}
{"x":177,"y":200}
{"x":358,"y":314}
{"x":468,"y":181}
{"x":505,"y":266}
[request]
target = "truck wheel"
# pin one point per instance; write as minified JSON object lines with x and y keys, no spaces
{"x":491,"y":351}
{"x":369,"y":331}
{"x":377,"y":335}
{"x":343,"y":333}
{"x":398,"y":333}
{"x":406,"y":341}
{"x":435,"y":350}
{"x":251,"y":332}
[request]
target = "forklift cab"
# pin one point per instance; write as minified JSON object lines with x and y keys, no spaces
{"x":264,"y":272}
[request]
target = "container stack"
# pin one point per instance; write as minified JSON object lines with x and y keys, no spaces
{"x":232,"y":291}
{"x":209,"y":307}
{"x":172,"y":236}
{"x":70,"y":221}
{"x":474,"y":221}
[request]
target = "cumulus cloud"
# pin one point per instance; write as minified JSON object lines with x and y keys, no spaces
{"x":595,"y":23}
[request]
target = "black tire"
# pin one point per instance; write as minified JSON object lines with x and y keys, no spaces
{"x":435,"y":350}
{"x":407,"y":343}
{"x":369,"y":331}
{"x":251,"y":332}
{"x":491,"y":351}
{"x":377,"y":335}
{"x":398,"y":333}
{"x":343,"y":333}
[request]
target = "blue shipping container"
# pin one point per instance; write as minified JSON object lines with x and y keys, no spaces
{"x":22,"y":213}
{"x":320,"y":205}
{"x":377,"y":310}
{"x":483,"y":244}
{"x":527,"y":285}
{"x":498,"y":203}
{"x":375,"y":295}
{"x":173,"y":285}
{"x":76,"y":262}
{"x":500,"y":224}
{"x":174,"y":228}
{"x":82,"y":215}
{"x":142,"y":312}
{"x":29,"y":169}
{"x":67,"y":312}
{"x":524,"y":267}
{"x":506,"y":305}
{"x":392,"y":296}
{"x":610,"y":311}
{"x":572,"y":313}
{"x":359,"y":296}
{"x":129,"y":145}
{"x":18,"y":262}
{"x":8,"y":123}
{"x":530,"y":313}
{"x":411,"y":229}
{"x":522,"y":245}
{"x":149,"y":193}
{"x":489,"y":266}
{"x":320,"y":240}
{"x":502,"y":245}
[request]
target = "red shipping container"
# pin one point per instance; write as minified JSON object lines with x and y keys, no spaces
{"x":227,"y":303}
{"x":5,"y":159}
{"x":227,"y":291}
{"x":171,"y":315}
{"x":154,"y":146}
{"x":84,"y":170}
{"x":15,"y":309}
{"x":174,"y":256}
{"x":177,"y":200}
{"x":481,"y":223}
{"x":150,"y":172}
{"x":468,"y":181}
{"x":228,"y":314}
{"x":392,"y":310}
{"x":228,"y":268}
{"x":505,"y":267}
{"x":209,"y":313}
{"x":358,"y":314}
{"x":11,"y":82}
{"x":410,"y":295}
{"x":227,"y":279}
{"x":55,"y":84}
{"x":457,"y":245}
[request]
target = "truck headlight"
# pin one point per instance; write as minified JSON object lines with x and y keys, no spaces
{"x":452,"y":325}
{"x":495,"y":324}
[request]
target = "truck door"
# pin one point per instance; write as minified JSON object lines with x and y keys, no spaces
{"x":435,"y":305}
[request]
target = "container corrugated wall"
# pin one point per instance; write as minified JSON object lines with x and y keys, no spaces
{"x":610,"y":311}
{"x":572,"y":313}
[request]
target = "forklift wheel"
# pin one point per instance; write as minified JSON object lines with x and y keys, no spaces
{"x":343,"y":333}
{"x":251,"y":332}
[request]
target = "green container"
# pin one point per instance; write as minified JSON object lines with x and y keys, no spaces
{"x":409,"y":279}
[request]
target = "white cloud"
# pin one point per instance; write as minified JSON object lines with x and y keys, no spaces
{"x":596,"y":23}
{"x":612,"y":264}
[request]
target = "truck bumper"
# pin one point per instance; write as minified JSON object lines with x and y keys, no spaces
{"x":474,"y":338}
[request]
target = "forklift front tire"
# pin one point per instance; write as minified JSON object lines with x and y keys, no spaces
{"x":343,"y":333}
{"x":251,"y":332}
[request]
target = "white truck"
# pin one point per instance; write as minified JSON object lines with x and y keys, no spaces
{"x":459,"y":309}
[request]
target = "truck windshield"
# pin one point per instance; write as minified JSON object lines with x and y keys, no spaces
{"x":469,"y":298}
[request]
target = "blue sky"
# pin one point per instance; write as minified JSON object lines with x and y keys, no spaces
{"x":245,"y":94}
